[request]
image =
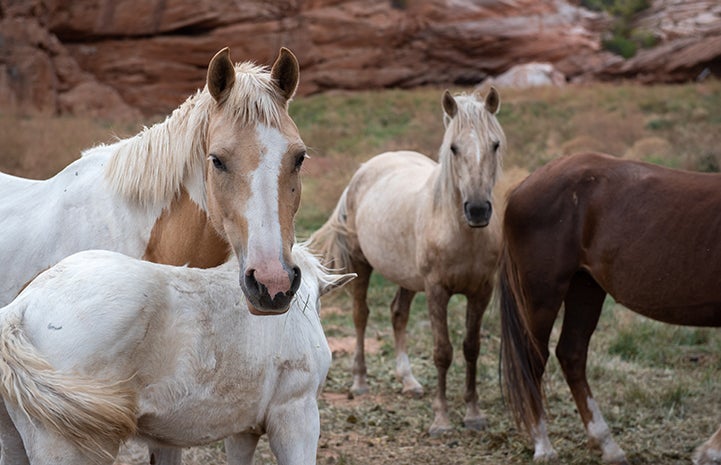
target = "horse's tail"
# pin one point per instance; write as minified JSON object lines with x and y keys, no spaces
{"x":330,"y":242}
{"x":521,"y":358}
{"x":89,"y":413}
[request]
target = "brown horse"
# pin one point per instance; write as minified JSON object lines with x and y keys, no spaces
{"x":589,"y":225}
{"x":427,"y":227}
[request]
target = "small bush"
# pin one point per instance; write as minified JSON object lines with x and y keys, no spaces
{"x":620,"y":45}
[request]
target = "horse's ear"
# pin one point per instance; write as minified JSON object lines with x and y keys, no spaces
{"x":449,"y":104}
{"x":286,"y":72}
{"x":336,"y":281}
{"x":221,"y":75}
{"x":493,"y":101}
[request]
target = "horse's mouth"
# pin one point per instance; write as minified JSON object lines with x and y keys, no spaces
{"x":265,"y":306}
{"x":478,"y":225}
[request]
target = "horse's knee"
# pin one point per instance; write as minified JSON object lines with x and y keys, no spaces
{"x":443,"y":355}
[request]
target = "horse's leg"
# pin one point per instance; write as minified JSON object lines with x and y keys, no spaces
{"x":709,"y":453}
{"x":438,"y":297}
{"x":240,"y":448}
{"x":400,"y":309}
{"x":165,"y":455}
{"x":13,"y":450}
{"x":541,"y":315}
{"x":360,"y":320}
{"x":294,"y":430}
{"x":584,"y":301}
{"x":46,"y":448}
{"x":475,"y":309}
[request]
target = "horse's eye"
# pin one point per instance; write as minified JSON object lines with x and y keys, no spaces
{"x":218,"y":163}
{"x":496,"y":144}
{"x":299,"y":159}
{"x":454,"y":149}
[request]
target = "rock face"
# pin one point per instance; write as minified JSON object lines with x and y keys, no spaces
{"x":115,"y":57}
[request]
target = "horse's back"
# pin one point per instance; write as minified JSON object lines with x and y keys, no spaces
{"x":643,"y":232}
{"x":91,"y":307}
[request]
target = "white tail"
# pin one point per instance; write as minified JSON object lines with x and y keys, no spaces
{"x":330,"y":241}
{"x":86,"y":411}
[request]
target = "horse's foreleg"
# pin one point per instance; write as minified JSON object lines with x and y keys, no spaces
{"x":360,"y":320}
{"x":240,"y":448}
{"x":400,"y":310}
{"x":584,"y":301}
{"x":294,"y":431}
{"x":709,"y":453}
{"x":475,"y":309}
{"x":438,"y":298}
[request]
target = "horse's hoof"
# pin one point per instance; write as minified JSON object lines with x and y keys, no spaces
{"x":439,"y":430}
{"x":358,"y":391}
{"x":414,"y":392}
{"x":545,"y":457}
{"x":476,"y":424}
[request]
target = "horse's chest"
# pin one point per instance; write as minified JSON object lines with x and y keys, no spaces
{"x":459,"y":260}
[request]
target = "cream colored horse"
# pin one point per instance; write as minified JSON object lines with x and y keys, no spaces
{"x":220,"y":174}
{"x":103,"y":347}
{"x":428,"y":227}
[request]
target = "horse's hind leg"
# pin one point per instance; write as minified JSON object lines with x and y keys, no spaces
{"x":13,"y":450}
{"x":400,"y":310}
{"x":475,"y":309}
{"x":240,"y":448}
{"x":584,"y":301}
{"x":709,"y":453}
{"x":360,"y":320}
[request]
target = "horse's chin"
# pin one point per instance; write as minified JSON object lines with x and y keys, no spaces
{"x":278,"y":306}
{"x":477,"y":224}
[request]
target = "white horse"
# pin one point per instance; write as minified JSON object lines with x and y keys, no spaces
{"x":220,"y":174}
{"x":103,"y":347}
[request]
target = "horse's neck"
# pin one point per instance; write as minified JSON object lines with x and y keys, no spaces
{"x":184,"y":235}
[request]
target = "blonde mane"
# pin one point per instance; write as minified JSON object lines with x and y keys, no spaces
{"x":472,"y":115}
{"x":150,"y":168}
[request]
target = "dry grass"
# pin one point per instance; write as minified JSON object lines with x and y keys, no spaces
{"x":656,"y":384}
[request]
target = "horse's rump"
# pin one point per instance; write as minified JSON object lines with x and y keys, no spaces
{"x":87,"y":411}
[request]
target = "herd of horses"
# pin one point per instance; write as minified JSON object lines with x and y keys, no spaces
{"x":154,"y":291}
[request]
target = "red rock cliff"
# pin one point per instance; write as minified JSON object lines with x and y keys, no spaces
{"x":120,"y":56}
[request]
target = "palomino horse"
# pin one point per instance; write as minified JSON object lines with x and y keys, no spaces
{"x":585,"y":226}
{"x":427,"y":227}
{"x":220,"y":173}
{"x":103,"y":347}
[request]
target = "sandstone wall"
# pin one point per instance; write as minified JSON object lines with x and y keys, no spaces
{"x":118,"y":57}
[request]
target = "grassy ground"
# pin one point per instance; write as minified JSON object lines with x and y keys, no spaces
{"x":655,"y":383}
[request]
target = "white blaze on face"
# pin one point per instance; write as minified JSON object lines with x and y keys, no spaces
{"x":477,"y":143}
{"x":265,"y":243}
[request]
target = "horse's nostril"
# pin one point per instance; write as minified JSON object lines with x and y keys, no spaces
{"x":295,"y":281}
